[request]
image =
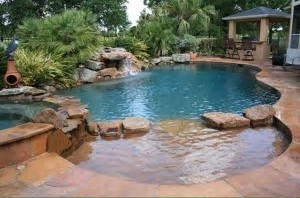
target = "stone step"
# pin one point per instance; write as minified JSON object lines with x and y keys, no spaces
{"x":35,"y":171}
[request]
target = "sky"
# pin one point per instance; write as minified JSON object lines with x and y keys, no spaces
{"x":134,"y":9}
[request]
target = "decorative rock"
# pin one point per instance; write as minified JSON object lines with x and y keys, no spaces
{"x":22,"y":90}
{"x":262,"y":115}
{"x":63,"y":113}
{"x":77,"y":112}
{"x":93,"y":129}
{"x":49,"y":88}
{"x":118,"y":49}
{"x":225,"y":120}
{"x":109,"y":72}
{"x":136,"y":125}
{"x":165,"y":60}
{"x":155,"y":61}
{"x":50,"y":116}
{"x":114,"y":56}
{"x":72,"y":125}
{"x":181,"y":58}
{"x":13,"y":91}
{"x":85,"y":75}
{"x":94,"y":65}
{"x":34,"y":91}
{"x":110,"y":129}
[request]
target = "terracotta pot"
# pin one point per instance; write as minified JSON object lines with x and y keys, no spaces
{"x":193,"y":55}
{"x":12,"y":76}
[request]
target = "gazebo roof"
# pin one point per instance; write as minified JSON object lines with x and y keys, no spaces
{"x":258,"y":13}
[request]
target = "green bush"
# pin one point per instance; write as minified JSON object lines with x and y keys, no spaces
{"x":37,"y":68}
{"x":107,"y":41}
{"x":188,"y":43}
{"x":210,"y":46}
{"x":70,"y":37}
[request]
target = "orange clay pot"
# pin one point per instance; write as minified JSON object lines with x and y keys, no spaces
{"x":12,"y":78}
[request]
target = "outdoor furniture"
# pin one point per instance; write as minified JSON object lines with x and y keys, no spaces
{"x":248,"y":47}
{"x":225,"y":46}
{"x":263,"y":18}
{"x":235,"y":50}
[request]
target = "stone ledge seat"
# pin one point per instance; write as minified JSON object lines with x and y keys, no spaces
{"x":23,"y":131}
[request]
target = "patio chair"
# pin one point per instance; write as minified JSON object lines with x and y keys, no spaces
{"x":235,"y":51}
{"x":248,"y":47}
{"x":225,"y":46}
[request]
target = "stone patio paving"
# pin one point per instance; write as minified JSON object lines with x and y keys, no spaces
{"x":51,"y":175}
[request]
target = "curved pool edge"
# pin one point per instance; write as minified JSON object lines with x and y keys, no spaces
{"x":280,"y":177}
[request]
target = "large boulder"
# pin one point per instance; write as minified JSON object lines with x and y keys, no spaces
{"x":50,"y":116}
{"x":85,"y":75}
{"x":114,"y":56}
{"x":109,"y":72}
{"x":94,"y":65}
{"x":181,"y":58}
{"x":166,"y":60}
{"x":136,"y":125}
{"x":221,"y":120}
{"x":262,"y":115}
{"x":111,"y":129}
{"x":155,"y":61}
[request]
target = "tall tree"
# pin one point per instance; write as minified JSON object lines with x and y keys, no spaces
{"x":111,"y":14}
{"x":190,"y":12}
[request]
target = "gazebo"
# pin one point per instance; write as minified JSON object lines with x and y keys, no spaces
{"x":262,"y":16}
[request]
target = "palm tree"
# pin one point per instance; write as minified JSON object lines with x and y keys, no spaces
{"x":187,"y":12}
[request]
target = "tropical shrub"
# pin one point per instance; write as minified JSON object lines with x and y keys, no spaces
{"x":73,"y":35}
{"x":37,"y":68}
{"x":70,"y":37}
{"x":107,"y":41}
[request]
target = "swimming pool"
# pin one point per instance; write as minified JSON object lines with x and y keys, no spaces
{"x":176,"y":92}
{"x":179,"y":149}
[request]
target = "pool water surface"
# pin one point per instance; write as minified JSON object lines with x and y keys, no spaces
{"x":175,"y":92}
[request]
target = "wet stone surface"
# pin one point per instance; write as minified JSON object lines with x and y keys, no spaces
{"x":181,"y":152}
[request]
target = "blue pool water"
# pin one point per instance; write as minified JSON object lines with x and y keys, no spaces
{"x":176,"y":92}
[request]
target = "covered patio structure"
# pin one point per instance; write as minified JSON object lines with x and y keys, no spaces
{"x":262,"y":16}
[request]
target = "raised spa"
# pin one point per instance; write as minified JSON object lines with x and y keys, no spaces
{"x":13,"y":114}
{"x":179,"y":149}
